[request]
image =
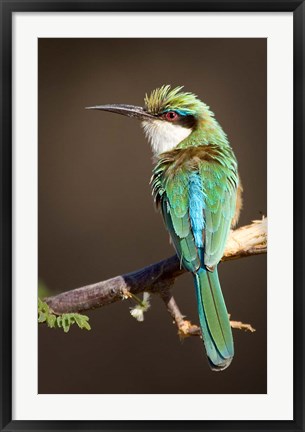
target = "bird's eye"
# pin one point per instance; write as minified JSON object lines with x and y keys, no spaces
{"x":171,"y":116}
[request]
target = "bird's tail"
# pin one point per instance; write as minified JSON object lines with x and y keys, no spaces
{"x":214,"y":319}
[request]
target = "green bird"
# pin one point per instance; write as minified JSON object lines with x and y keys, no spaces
{"x":196,"y":186}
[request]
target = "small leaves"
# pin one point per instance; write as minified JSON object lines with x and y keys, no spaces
{"x":51,"y":320}
{"x":63,"y":321}
{"x":82,"y":321}
{"x":66,"y":323}
{"x":43,"y":311}
{"x":42,"y":317}
{"x":59,"y":321}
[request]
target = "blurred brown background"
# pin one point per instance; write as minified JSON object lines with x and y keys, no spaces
{"x":97,"y":220}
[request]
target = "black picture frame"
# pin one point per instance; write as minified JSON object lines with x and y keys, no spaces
{"x":7,"y":8}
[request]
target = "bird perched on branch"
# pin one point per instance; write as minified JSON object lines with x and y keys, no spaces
{"x":196,"y":186}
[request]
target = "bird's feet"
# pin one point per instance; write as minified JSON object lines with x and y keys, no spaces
{"x":186,"y":329}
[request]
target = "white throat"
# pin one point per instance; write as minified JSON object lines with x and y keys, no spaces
{"x":164,"y":136}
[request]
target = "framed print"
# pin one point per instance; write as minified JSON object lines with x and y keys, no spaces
{"x":151,"y":320}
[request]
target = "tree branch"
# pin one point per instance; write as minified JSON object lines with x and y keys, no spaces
{"x":185,"y":327}
{"x":158,"y":278}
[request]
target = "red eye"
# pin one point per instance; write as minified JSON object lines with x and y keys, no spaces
{"x":171,"y":116}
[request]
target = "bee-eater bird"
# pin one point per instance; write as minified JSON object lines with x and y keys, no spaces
{"x":196,"y":186}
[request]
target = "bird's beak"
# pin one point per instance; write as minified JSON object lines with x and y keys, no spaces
{"x":127,"y":110}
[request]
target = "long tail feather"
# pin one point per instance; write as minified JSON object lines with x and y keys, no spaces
{"x":214,"y":319}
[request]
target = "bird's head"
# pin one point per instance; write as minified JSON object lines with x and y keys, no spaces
{"x":168,"y":117}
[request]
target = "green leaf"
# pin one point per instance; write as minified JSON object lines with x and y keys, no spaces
{"x":86,"y":325}
{"x":39,"y":303}
{"x":59,"y":321}
{"x":82,"y":321}
{"x":51,"y":320}
{"x":66,"y":322}
{"x":42,"y":317}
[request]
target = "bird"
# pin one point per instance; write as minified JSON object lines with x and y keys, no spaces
{"x":196,"y":186}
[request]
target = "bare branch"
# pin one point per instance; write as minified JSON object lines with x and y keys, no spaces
{"x":185,"y":327}
{"x":157,"y":278}
{"x":241,"y":326}
{"x":247,"y":240}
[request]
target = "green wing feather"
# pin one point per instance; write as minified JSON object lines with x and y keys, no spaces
{"x":219,"y":209}
{"x":182,"y":237}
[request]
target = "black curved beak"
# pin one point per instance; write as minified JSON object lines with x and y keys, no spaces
{"x":127,"y":110}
